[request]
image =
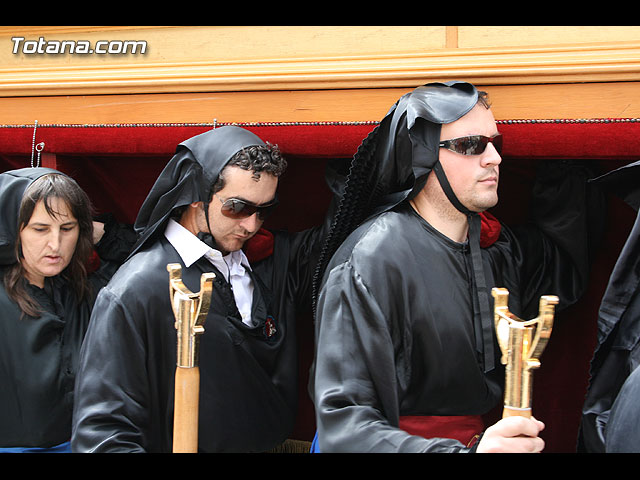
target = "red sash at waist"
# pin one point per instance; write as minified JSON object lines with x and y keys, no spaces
{"x":464,"y":428}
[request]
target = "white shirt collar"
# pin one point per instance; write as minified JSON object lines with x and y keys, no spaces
{"x":191,"y":249}
{"x":233,"y":266}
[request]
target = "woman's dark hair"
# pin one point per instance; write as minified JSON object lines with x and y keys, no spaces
{"x":46,"y":188}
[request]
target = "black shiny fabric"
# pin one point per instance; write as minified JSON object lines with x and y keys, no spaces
{"x":397,"y":316}
{"x":393,"y":161}
{"x":623,"y":426}
{"x":248,"y":378}
{"x":393,"y":164}
{"x":188,"y":177}
{"x":38,"y":363}
{"x":12,"y":186}
{"x":39,"y":356}
{"x":617,"y":353}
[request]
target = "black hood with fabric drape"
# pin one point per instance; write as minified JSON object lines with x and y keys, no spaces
{"x":407,"y":140}
{"x":392,"y":165}
{"x":13,"y":184}
{"x":189,"y":176}
{"x":393,"y":161}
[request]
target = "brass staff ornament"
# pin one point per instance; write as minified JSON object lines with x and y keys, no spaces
{"x":190,"y":310}
{"x":522,"y":343}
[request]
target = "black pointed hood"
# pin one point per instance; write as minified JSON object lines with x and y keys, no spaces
{"x":407,"y":139}
{"x":189,"y":176}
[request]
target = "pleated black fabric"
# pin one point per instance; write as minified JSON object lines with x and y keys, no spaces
{"x":617,"y":353}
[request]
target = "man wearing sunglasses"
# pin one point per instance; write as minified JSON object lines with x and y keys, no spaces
{"x":204,"y":212}
{"x":406,"y":358}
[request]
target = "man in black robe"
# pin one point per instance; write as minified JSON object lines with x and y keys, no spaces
{"x":406,"y":356}
{"x":247,"y":355}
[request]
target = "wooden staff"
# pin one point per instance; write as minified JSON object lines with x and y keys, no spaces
{"x":190,"y":310}
{"x":521,"y":343}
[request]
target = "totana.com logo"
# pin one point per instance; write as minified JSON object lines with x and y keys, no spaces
{"x":77,"y":47}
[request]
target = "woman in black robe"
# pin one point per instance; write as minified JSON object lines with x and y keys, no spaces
{"x":46,"y":246}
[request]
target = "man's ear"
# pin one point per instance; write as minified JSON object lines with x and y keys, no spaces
{"x":189,"y":217}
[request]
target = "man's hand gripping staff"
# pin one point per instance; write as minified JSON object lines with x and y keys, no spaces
{"x":521,"y":343}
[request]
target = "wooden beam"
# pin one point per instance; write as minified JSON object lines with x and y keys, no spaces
{"x":203,"y":59}
{"x":451,"y":37}
{"x":589,"y":100}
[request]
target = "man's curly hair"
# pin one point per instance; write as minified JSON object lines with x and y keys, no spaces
{"x":257,"y":159}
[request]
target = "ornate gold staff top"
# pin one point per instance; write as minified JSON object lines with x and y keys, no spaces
{"x":521,"y":343}
{"x":190,"y":310}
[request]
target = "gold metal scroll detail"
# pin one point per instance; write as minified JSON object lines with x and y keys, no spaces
{"x":522,"y":343}
{"x":190,"y":310}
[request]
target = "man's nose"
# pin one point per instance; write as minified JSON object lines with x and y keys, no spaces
{"x":251,"y":223}
{"x":490,"y":156}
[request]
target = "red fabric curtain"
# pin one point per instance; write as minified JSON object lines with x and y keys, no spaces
{"x":595,"y":139}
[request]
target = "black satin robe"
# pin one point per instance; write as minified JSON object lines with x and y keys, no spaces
{"x":397,"y":317}
{"x":248,"y":387}
{"x":39,"y":356}
{"x":617,"y":353}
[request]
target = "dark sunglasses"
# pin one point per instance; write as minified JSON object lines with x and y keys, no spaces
{"x":236,"y":208}
{"x":473,"y":144}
